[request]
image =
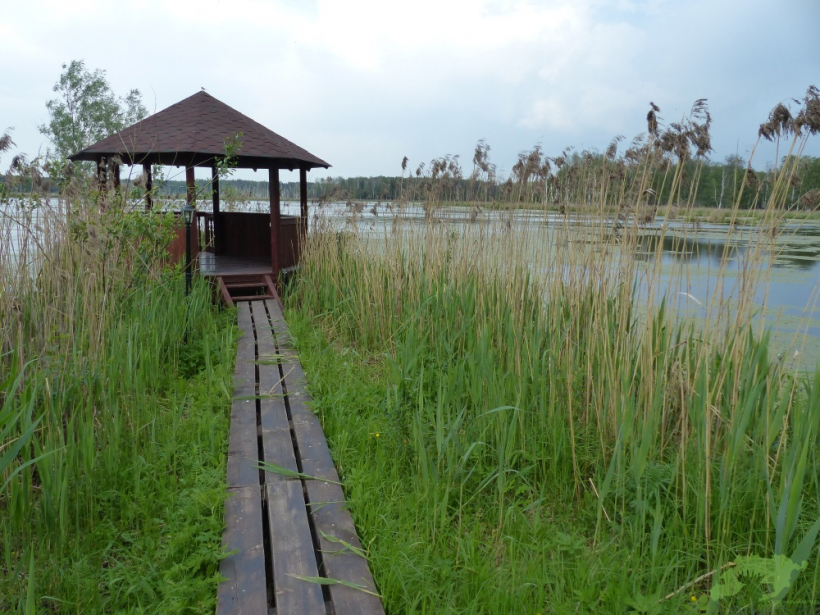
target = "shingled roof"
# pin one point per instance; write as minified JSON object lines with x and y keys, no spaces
{"x":193,"y":132}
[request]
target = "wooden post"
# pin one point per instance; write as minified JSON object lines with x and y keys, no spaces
{"x":303,"y":196}
{"x":190,"y":197}
{"x":275,"y":218}
{"x":190,"y":182}
{"x":217,"y":224}
{"x":102,"y":180}
{"x":115,"y":172}
{"x":149,"y":187}
{"x":100,"y":162}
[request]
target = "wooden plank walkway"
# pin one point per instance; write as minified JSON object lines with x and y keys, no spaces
{"x":283,"y":530}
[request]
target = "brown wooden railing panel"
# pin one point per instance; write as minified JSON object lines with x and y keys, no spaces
{"x":205,"y":228}
{"x":248,"y":234}
{"x":176,"y":251}
{"x":289,"y":242}
{"x":244,"y":234}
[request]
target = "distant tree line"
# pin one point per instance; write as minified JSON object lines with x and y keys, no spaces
{"x":577,"y":178}
{"x":574,"y":178}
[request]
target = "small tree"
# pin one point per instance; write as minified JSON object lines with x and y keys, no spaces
{"x":5,"y":145}
{"x":86,"y":110}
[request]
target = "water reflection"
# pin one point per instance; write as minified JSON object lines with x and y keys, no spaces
{"x":800,"y":257}
{"x":711,"y":251}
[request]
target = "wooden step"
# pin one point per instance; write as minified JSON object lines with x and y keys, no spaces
{"x":246,"y":284}
{"x":254,"y":289}
{"x":252,"y":298}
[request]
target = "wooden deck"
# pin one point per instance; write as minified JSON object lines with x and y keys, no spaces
{"x":284,"y":530}
{"x":211,"y":265}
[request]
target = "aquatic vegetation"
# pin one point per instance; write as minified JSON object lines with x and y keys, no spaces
{"x":113,"y":413}
{"x":555,"y":434}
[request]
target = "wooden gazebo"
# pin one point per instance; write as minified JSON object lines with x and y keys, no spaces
{"x":193,"y":133}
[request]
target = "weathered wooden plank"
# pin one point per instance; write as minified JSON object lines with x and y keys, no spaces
{"x":277,"y":443}
{"x":243,"y":447}
{"x":280,"y":327}
{"x":328,"y":512}
{"x":293,"y":553}
{"x":245,"y":590}
{"x":330,"y":517}
{"x":244,"y":381}
{"x":278,"y":447}
{"x":266,"y":347}
{"x":295,"y":383}
{"x":333,"y":519}
{"x":290,"y":537}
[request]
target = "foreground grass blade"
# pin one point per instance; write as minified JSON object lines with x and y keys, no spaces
{"x":326,"y":581}
{"x":274,"y":468}
{"x":31,"y":601}
{"x":344,"y":543}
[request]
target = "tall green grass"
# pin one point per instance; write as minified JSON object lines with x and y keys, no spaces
{"x":114,"y":397}
{"x":525,"y":423}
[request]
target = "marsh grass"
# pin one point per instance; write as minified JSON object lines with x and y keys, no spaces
{"x":114,"y":390}
{"x":526,"y":421}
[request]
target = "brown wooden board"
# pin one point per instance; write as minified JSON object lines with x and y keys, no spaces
{"x":244,"y":382}
{"x":280,"y":327}
{"x":245,"y":590}
{"x":245,"y":234}
{"x":333,"y":523}
{"x":277,"y":443}
{"x":331,"y":518}
{"x":243,"y":448}
{"x":328,"y":511}
{"x":293,"y":553}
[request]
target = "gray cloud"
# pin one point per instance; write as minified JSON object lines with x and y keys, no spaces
{"x":363,"y":84}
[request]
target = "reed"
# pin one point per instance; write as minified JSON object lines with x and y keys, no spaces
{"x":527,"y":418}
{"x":114,"y":391}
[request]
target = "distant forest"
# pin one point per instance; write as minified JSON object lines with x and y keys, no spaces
{"x":573,"y":178}
{"x":578,"y":178}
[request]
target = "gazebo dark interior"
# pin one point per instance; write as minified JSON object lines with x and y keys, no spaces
{"x":193,"y":133}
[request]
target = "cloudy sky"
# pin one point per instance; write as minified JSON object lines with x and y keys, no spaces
{"x":363,"y":83}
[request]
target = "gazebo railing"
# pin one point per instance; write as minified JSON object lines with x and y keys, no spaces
{"x":205,"y":224}
{"x":244,"y":234}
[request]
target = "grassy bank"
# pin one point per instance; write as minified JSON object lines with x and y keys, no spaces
{"x":114,"y":400}
{"x":524,"y":424}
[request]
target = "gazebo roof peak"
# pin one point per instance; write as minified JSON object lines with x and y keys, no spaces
{"x":194,"y":132}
